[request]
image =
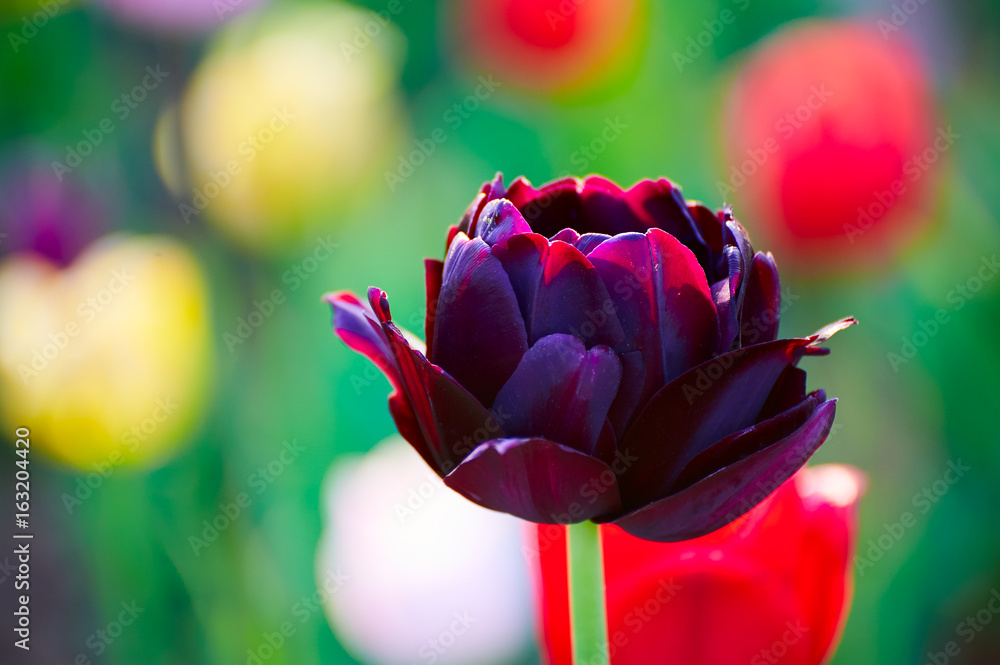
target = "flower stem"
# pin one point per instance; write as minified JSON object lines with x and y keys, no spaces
{"x":586,"y":595}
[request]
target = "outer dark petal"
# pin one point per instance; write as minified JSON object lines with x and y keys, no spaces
{"x":700,"y":407}
{"x":742,"y":444}
{"x":720,"y":498}
{"x":537,"y":480}
{"x":446,"y":419}
{"x":662,"y":300}
{"x":433,"y":274}
{"x":479,"y":336}
{"x":498,"y":221}
{"x":558,"y":290}
{"x":761,"y":302}
{"x":561,"y":391}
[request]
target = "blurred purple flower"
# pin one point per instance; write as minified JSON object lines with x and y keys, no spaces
{"x":41,"y":214}
{"x":176,"y":16}
{"x":595,"y":353}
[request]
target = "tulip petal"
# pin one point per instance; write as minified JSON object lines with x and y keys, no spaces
{"x":660,"y":294}
{"x":735,"y":447}
{"x":707,"y":403}
{"x":537,"y":480}
{"x":433,"y":275}
{"x":727,"y":494}
{"x":479,"y":335}
{"x":660,"y":204}
{"x":488,"y":192}
{"x":588,"y":242}
{"x":356,"y":325}
{"x":558,"y":290}
{"x":629,"y":392}
{"x":447,"y":419}
{"x":761,"y":302}
{"x":561,"y":391}
{"x":592,"y":205}
{"x":498,"y":221}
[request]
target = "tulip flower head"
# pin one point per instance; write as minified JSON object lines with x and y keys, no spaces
{"x":773,"y":587}
{"x":600,"y":354}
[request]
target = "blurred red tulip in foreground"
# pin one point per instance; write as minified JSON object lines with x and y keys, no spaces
{"x":831,"y":142}
{"x":550,"y":45}
{"x":773,"y":585}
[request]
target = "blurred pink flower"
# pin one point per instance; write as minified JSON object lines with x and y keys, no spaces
{"x":176,"y":16}
{"x":40,"y":213}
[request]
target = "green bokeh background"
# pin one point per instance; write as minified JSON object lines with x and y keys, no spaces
{"x":293,"y":380}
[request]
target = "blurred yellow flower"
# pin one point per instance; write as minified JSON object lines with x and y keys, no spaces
{"x":285,"y":121}
{"x":107,"y":362}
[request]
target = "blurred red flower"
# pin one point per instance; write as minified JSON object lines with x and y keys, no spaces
{"x":549,"y":45}
{"x":774,"y":585}
{"x":831,"y":142}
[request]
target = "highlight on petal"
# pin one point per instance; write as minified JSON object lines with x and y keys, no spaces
{"x":561,"y":391}
{"x":498,"y":221}
{"x":479,"y":335}
{"x":537,"y":480}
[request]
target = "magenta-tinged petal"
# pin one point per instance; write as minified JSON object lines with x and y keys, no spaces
{"x":537,"y":480}
{"x":568,"y":236}
{"x":561,"y":391}
{"x":761,"y":302}
{"x":498,"y":221}
{"x":717,"y":500}
{"x":558,"y":290}
{"x":448,"y":420}
{"x":479,"y":336}
{"x":355,"y":324}
{"x":488,"y":192}
{"x":662,"y":299}
{"x":700,"y":407}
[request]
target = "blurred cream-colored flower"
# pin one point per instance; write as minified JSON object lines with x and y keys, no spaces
{"x":106,"y":362}
{"x":413,"y":572}
{"x":286,"y":121}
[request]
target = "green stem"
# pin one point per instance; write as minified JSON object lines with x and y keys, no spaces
{"x":586,"y":595}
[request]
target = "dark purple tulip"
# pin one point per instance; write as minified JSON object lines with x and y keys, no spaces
{"x":601,"y":354}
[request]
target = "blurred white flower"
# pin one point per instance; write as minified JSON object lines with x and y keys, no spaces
{"x":430,"y":576}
